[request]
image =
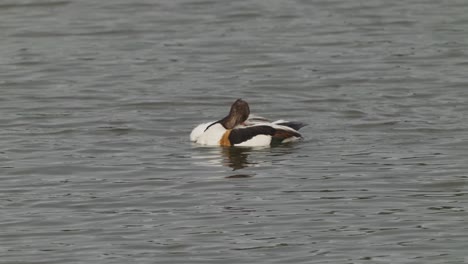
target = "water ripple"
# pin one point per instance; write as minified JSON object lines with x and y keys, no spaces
{"x":98,"y":100}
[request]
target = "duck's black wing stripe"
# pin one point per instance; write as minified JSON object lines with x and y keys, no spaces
{"x":240,"y":135}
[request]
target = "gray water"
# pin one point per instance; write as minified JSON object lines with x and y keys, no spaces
{"x":97,"y":99}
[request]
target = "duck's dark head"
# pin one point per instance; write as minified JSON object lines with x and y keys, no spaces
{"x":239,"y":113}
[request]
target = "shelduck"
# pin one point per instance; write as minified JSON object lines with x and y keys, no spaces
{"x":237,"y":129}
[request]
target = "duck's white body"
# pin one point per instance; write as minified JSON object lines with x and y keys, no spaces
{"x":198,"y":131}
{"x":252,"y":121}
{"x":210,"y":136}
{"x":213,"y":135}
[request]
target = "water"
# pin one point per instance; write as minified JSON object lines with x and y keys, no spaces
{"x":97,"y":99}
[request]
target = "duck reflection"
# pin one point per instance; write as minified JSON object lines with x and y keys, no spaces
{"x":236,"y":157}
{"x":239,"y":158}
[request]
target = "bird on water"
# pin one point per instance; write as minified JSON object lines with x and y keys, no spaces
{"x":239,"y":128}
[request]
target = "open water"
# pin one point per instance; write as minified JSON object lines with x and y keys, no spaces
{"x":97,"y":99}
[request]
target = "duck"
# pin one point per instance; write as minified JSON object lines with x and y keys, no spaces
{"x":239,"y":128}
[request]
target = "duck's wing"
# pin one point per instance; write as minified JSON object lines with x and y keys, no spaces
{"x":240,"y":135}
{"x":292,"y":124}
{"x":256,"y":120}
{"x":261,"y":132}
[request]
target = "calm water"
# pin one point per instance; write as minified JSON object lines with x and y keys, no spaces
{"x":97,"y":99}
